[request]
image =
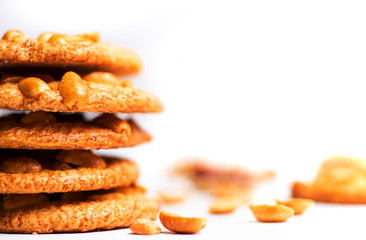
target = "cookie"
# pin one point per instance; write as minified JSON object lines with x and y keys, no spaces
{"x":43,"y":171}
{"x":45,"y":130}
{"x":339,"y":180}
{"x":97,"y":93}
{"x":74,"y":52}
{"x":42,"y":213}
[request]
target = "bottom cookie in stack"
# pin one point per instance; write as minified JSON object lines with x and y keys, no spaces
{"x":50,"y":191}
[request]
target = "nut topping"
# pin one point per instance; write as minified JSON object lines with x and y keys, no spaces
{"x":20,"y":165}
{"x":81,"y":158}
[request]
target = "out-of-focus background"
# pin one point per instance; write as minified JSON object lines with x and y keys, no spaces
{"x":263,"y":84}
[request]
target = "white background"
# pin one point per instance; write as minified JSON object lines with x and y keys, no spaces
{"x":263,"y":84}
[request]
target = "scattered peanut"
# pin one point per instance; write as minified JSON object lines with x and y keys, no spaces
{"x":114,"y":123}
{"x":299,"y":205}
{"x":32,"y":87}
{"x":20,"y":165}
{"x":12,"y":201}
{"x":103,"y":77}
{"x":145,"y":226}
{"x":10,"y":78}
{"x":178,"y":224}
{"x":35,"y":117}
{"x":171,"y":197}
{"x":222,"y":205}
{"x":81,"y":158}
{"x":73,"y":90}
{"x":15,"y":36}
{"x":271,"y":213}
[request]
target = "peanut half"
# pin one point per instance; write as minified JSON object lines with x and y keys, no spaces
{"x":15,"y":36}
{"x":271,"y":213}
{"x":13,"y":201}
{"x":175,"y":223}
{"x":103,"y":77}
{"x":114,"y":123}
{"x":32,"y":87}
{"x":223,"y":205}
{"x":145,"y":226}
{"x":299,"y":205}
{"x":20,"y":165}
{"x":35,"y":117}
{"x":81,"y":158}
{"x":73,"y":90}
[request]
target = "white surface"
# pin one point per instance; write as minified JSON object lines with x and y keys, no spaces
{"x":265,"y":84}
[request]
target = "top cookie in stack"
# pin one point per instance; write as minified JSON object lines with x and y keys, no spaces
{"x":61,"y":186}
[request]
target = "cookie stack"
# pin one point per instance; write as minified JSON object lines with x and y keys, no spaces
{"x":50,"y":180}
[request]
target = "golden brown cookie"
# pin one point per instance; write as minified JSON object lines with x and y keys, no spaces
{"x":32,"y":171}
{"x":78,"y":212}
{"x":52,"y":50}
{"x":45,"y":130}
{"x":339,"y":180}
{"x":74,"y":94}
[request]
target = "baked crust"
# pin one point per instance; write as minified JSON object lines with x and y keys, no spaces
{"x":74,"y":133}
{"x":339,"y":180}
{"x":79,"y":216}
{"x":67,"y":52}
{"x":118,"y":172}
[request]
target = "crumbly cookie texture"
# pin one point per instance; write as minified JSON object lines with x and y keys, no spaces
{"x":339,"y":180}
{"x":38,"y":92}
{"x":46,"y":130}
{"x":32,"y":171}
{"x":52,"y":50}
{"x":72,"y":213}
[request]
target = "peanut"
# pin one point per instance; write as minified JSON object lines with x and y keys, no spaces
{"x":35,"y":117}
{"x":222,"y":205}
{"x":106,"y":196}
{"x":81,"y":158}
{"x":10,"y":78}
{"x":57,"y":38}
{"x":103,"y":77}
{"x":92,"y":36}
{"x":73,"y":90}
{"x":145,"y":226}
{"x":44,"y":37}
{"x":20,"y":165}
{"x":299,"y":205}
{"x":15,"y":36}
{"x":11,"y":201}
{"x":171,"y":197}
{"x":271,"y":213}
{"x":61,"y":166}
{"x":127,"y":84}
{"x":178,"y":224}
{"x":114,"y":123}
{"x":32,"y":87}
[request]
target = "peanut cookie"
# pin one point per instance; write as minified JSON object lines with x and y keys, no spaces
{"x":74,"y":212}
{"x":94,"y":93}
{"x":52,"y":50}
{"x":339,"y":180}
{"x":45,"y":130}
{"x":45,"y":171}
